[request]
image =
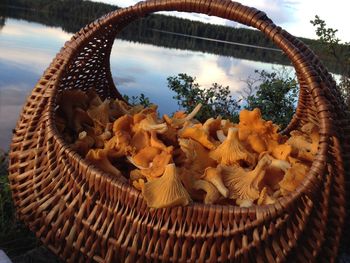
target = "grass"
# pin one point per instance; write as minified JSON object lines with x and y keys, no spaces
{"x":15,"y":238}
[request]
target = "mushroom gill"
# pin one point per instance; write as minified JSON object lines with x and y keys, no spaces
{"x":166,"y":191}
{"x":231,"y":151}
{"x":244,"y":184}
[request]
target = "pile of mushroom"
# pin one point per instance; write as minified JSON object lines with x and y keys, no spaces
{"x":175,"y":160}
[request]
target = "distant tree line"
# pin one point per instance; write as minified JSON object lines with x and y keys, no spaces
{"x":71,"y":15}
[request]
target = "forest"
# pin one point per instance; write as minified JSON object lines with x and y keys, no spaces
{"x":71,"y":15}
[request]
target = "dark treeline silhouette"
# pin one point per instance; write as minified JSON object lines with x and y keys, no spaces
{"x":2,"y":22}
{"x":71,"y":15}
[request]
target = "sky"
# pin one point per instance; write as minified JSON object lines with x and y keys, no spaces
{"x":292,"y":15}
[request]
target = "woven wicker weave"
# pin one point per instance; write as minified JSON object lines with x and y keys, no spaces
{"x":83,"y":214}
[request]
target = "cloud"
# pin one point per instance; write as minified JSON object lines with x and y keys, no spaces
{"x":120,"y":3}
{"x":281,"y":11}
{"x":33,"y":30}
{"x":127,"y":80}
{"x":13,"y":95}
{"x":30,"y":44}
{"x":37,"y":60}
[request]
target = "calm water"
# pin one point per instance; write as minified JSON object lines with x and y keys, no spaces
{"x":27,"y":48}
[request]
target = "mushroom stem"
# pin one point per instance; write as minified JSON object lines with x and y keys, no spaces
{"x":193,"y":113}
{"x":221,"y":136}
{"x":261,"y":167}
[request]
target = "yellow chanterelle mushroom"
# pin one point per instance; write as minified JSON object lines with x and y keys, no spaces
{"x":197,"y":133}
{"x":100,"y":159}
{"x":212,"y":195}
{"x":166,"y":191}
{"x":213,"y":175}
{"x":256,"y":131}
{"x":179,"y":119}
{"x":197,"y":156}
{"x":231,"y":151}
{"x":244,"y":184}
{"x":174,"y":160}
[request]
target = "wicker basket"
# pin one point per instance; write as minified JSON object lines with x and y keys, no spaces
{"x":83,"y":214}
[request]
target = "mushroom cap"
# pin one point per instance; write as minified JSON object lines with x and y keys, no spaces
{"x":136,"y":175}
{"x":166,"y":191}
{"x":144,"y":157}
{"x":256,"y":131}
{"x":83,"y":144}
{"x":169,"y":137}
{"x":150,"y":124}
{"x":197,"y":156}
{"x":81,"y":120}
{"x":140,"y":139}
{"x":119,"y":145}
{"x":157,"y":165}
{"x":313,"y":133}
{"x":244,"y":184}
{"x":211,"y":126}
{"x":256,"y":142}
{"x":293,"y":178}
{"x":221,"y":135}
{"x":279,"y":151}
{"x":68,"y":101}
{"x":100,"y":113}
{"x":299,"y":142}
{"x":231,"y":151}
{"x":227,"y":124}
{"x":250,"y":121}
{"x":151,"y":109}
{"x":179,"y":119}
{"x":274,"y":172}
{"x":139,"y":184}
{"x":304,"y":146}
{"x":156,"y":143}
{"x":123,"y":123}
{"x":99,"y":158}
{"x":212,"y":194}
{"x":213,"y":175}
{"x":93,"y":98}
{"x":197,"y":133}
{"x":179,"y":114}
{"x":188,"y":179}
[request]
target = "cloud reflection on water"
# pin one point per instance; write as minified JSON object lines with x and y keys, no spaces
{"x":156,"y":64}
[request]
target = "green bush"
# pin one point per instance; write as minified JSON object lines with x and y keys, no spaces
{"x":135,"y":100}
{"x":216,"y":100}
{"x":333,"y":47}
{"x":276,"y":96}
{"x":15,"y":238}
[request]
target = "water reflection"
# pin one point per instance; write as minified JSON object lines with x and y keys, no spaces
{"x":150,"y":66}
{"x":30,"y":47}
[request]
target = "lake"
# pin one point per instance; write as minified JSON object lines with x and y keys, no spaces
{"x":27,"y":48}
